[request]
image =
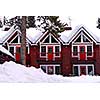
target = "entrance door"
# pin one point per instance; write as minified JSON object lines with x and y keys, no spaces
{"x":18,"y":53}
{"x":50,"y":52}
{"x":82,"y":70}
{"x":82,"y":53}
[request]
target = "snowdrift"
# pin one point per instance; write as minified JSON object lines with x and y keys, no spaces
{"x":10,"y":72}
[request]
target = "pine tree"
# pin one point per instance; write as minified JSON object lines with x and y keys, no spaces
{"x":51,"y":23}
{"x":98,"y":22}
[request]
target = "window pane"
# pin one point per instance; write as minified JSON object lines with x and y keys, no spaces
{"x":11,"y":50}
{"x":85,"y":39}
{"x":53,"y":40}
{"x":90,"y":70}
{"x":18,"y":49}
{"x":50,"y":70}
{"x":15,"y":40}
{"x":57,"y":70}
{"x":43,"y":68}
{"x":43,"y":51}
{"x":50,"y":50}
{"x":79,"y":39}
{"x":75,"y":50}
{"x":82,"y":49}
{"x":57,"y":51}
{"x":47,"y":40}
{"x":76,"y":73}
{"x":89,"y":50}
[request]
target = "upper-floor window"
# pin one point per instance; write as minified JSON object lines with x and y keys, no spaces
{"x":11,"y":49}
{"x":43,"y":50}
{"x":57,"y":51}
{"x":75,"y":50}
{"x":89,"y":50}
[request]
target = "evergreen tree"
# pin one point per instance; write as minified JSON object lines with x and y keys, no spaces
{"x":1,"y":24}
{"x":98,"y":22}
{"x":51,"y":23}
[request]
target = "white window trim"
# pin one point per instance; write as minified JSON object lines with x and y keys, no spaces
{"x":49,"y":65}
{"x":82,"y":34}
{"x":53,"y":51}
{"x":85,"y":50}
{"x":50,"y":40}
{"x":14,"y":38}
{"x":83,"y":65}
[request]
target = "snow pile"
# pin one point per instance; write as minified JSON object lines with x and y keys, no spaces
{"x":12,"y":72}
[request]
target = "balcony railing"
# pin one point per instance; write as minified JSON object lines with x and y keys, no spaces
{"x":88,"y":54}
{"x":49,"y":56}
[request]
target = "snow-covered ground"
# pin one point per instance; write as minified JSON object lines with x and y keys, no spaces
{"x":12,"y":72}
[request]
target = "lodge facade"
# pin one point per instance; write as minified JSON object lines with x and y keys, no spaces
{"x":78,"y":55}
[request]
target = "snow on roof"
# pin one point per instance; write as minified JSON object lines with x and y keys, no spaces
{"x":2,"y":49}
{"x":33,"y":34}
{"x":67,"y":35}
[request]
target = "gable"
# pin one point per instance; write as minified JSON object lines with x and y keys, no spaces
{"x":82,"y":34}
{"x":82,"y":37}
{"x":50,"y":39}
{"x":14,"y":36}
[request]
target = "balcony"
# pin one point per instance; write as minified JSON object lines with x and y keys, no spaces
{"x":49,"y":58}
{"x":83,"y":57}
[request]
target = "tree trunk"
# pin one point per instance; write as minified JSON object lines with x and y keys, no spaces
{"x":23,"y":41}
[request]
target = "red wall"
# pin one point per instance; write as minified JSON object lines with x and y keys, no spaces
{"x":66,"y":60}
{"x":97,"y":57}
{"x":33,"y":56}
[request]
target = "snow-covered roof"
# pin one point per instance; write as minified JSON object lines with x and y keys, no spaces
{"x":2,"y":49}
{"x":33,"y":34}
{"x":67,"y":35}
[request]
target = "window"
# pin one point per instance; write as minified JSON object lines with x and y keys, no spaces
{"x":76,"y":73}
{"x":53,"y":40}
{"x":47,"y":40}
{"x":89,"y":50}
{"x":57,"y":51}
{"x":43,"y":51}
{"x":82,"y":49}
{"x":85,"y":39}
{"x":79,"y":39}
{"x":11,"y":49}
{"x":75,"y":50}
{"x":50,"y":69}
{"x":43,"y":68}
{"x":15,"y":40}
{"x":90,"y":70}
{"x":18,"y":49}
{"x":57,"y":70}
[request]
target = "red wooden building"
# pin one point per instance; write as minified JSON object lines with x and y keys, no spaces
{"x":77,"y":54}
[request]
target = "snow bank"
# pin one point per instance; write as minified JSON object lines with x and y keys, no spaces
{"x":16,"y":73}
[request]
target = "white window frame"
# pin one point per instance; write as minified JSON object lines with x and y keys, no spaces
{"x":50,"y":39}
{"x":82,"y":34}
{"x":53,"y":51}
{"x":83,"y":65}
{"x":85,"y":50}
{"x":14,"y":38}
{"x":49,"y":65}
